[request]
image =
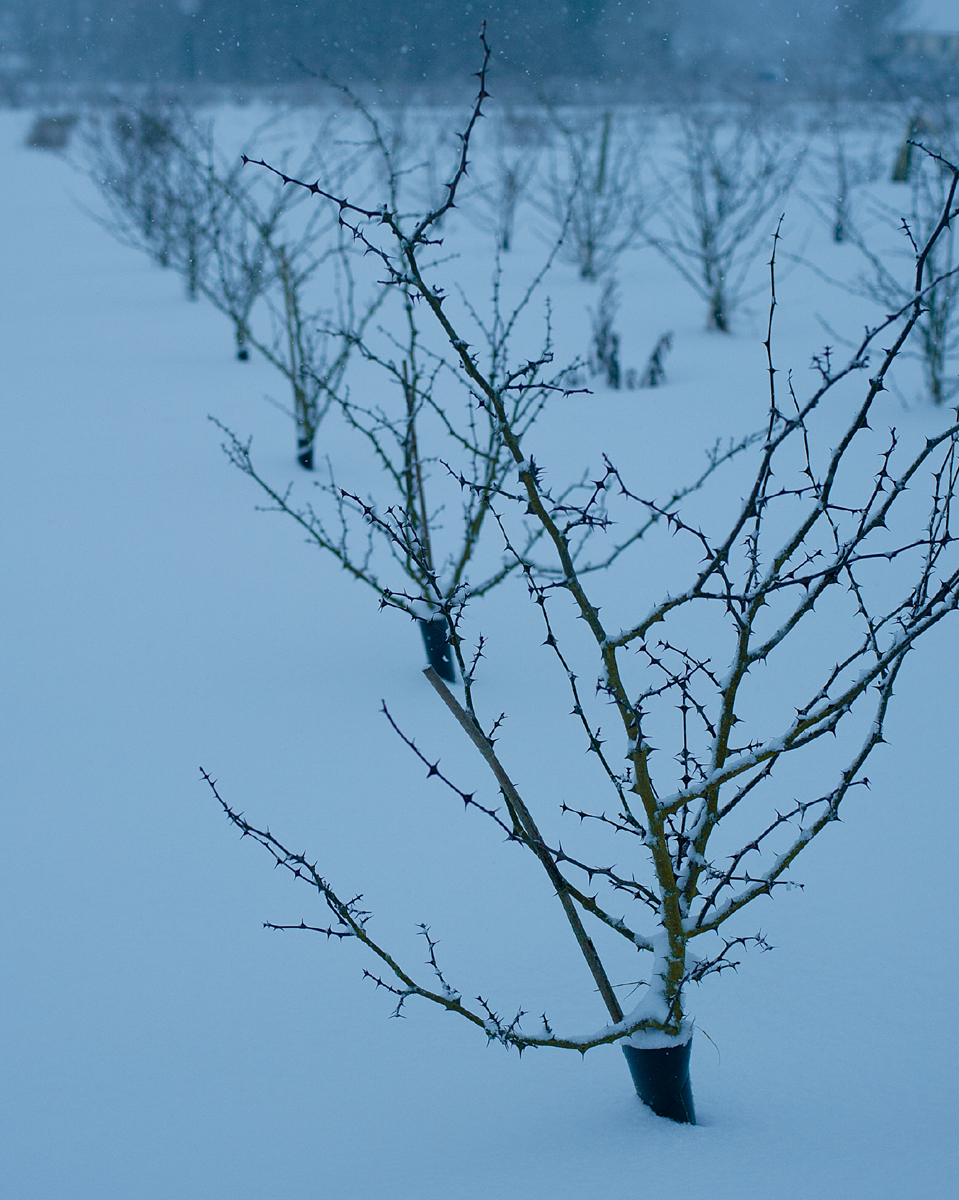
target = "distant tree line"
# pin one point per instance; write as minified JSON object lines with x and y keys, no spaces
{"x":166,"y":42}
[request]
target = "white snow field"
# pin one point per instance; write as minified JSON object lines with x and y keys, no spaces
{"x":158,"y":1043}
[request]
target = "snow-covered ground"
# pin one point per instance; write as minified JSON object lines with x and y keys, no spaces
{"x":158,"y":1043}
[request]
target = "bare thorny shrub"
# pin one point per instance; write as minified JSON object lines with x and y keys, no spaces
{"x":732,"y":168}
{"x":591,"y":193}
{"x":276,"y":267}
{"x":154,"y":167}
{"x":517,"y":146}
{"x":285,"y":286}
{"x":822,"y":578}
{"x":604,"y":359}
{"x":888,"y":278}
{"x":849,"y":158}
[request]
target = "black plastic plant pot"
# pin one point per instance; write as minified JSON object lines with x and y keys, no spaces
{"x":304,"y":454}
{"x":438,"y":648}
{"x":661,"y":1076}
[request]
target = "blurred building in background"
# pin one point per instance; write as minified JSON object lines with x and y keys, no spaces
{"x":655,"y":45}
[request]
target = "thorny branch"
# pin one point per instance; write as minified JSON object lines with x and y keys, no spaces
{"x":352,"y":921}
